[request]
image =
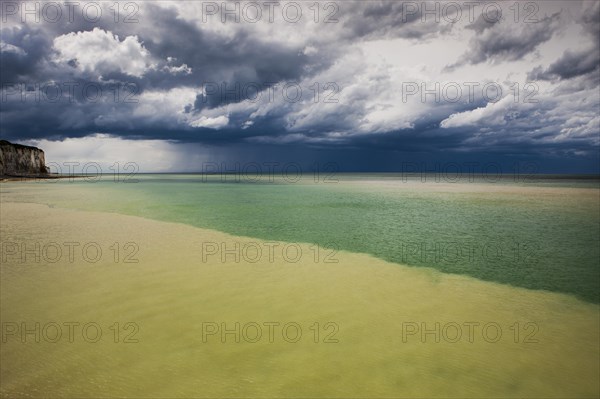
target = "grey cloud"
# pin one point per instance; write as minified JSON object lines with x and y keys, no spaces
{"x":239,"y":54}
{"x":485,"y":21}
{"x":577,"y":63}
{"x":19,"y":66}
{"x":500,"y":43}
{"x":374,"y":20}
{"x":590,"y":20}
{"x":570,"y":65}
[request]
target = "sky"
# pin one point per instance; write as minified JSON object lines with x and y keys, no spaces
{"x":173,"y":86}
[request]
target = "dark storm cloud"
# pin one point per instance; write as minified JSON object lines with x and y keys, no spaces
{"x":590,"y":20}
{"x":570,"y":65}
{"x":576,"y":63}
{"x":244,"y":57}
{"x":23,"y":53}
{"x":212,"y":57}
{"x":206,"y":58}
{"x":502,"y":41}
{"x":223,"y":59}
{"x":169,"y":51}
{"x":485,"y":21}
{"x":376,"y":20}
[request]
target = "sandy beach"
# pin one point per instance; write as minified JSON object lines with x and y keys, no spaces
{"x":369,"y":338}
{"x":300,"y":200}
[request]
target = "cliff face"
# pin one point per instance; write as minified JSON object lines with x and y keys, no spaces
{"x":21,"y":160}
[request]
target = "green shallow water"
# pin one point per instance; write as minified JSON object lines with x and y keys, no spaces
{"x":538,"y":235}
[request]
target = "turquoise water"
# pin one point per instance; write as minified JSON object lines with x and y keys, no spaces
{"x":542,"y":234}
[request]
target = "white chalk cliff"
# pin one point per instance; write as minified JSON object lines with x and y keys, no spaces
{"x":21,"y":160}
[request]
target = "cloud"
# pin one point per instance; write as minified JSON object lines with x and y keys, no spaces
{"x":486,"y":21}
{"x":211,"y":123}
{"x":166,"y":67}
{"x":81,"y":51}
{"x":181,"y":69}
{"x":23,"y":54}
{"x":493,"y":114}
{"x":590,"y":18}
{"x":374,"y":20}
{"x":571,"y":64}
{"x":9,"y":48}
{"x":106,"y":150}
{"x":574,"y":63}
{"x":503,"y":42}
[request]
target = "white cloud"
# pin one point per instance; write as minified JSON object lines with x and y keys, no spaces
{"x":164,"y":104}
{"x":493,"y":114}
{"x":182,"y":69}
{"x":99,"y":51}
{"x":211,"y":123}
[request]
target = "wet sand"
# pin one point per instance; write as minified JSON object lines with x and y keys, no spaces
{"x":181,"y":290}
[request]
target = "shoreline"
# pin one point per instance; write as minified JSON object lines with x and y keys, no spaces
{"x":172,"y":290}
{"x":9,"y":178}
{"x":225,"y":236}
{"x":436,"y":178}
{"x":108,"y":197}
